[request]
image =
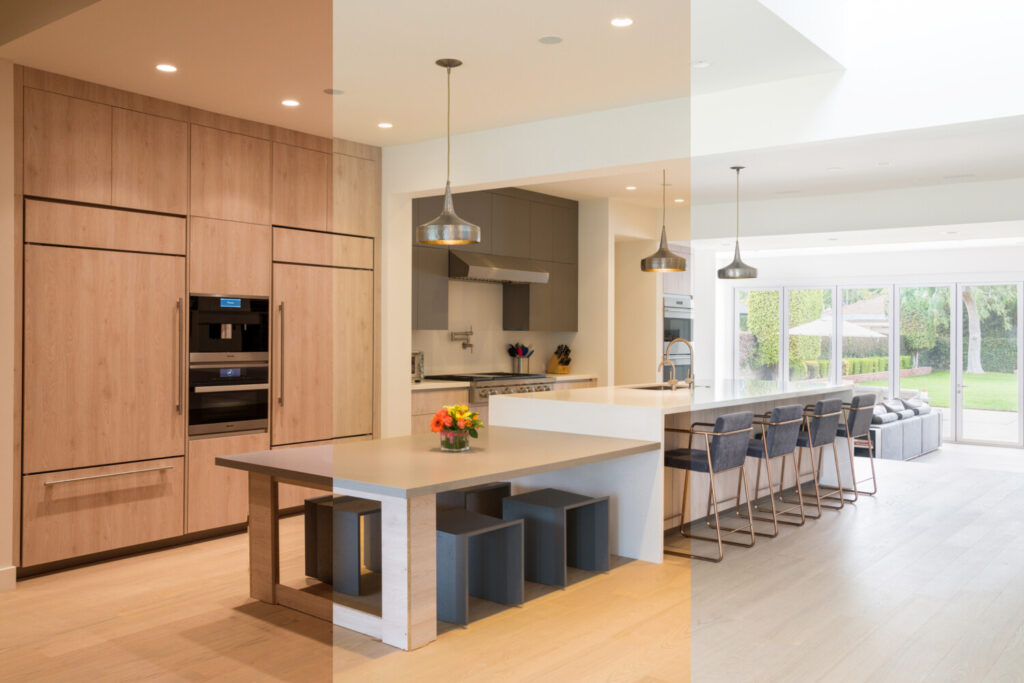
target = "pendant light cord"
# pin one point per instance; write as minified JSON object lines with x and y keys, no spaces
{"x":663,"y":198}
{"x":738,"y":205}
{"x":448,"y":172}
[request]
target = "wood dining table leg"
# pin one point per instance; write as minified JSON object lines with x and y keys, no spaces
{"x":264,"y":542}
{"x":409,"y":563}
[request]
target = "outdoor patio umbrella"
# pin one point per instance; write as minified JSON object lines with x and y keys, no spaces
{"x":822,"y":327}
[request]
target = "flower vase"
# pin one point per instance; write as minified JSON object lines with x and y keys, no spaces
{"x":455,"y":442}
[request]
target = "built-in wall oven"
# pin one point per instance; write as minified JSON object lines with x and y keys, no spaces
{"x":228,"y":377}
{"x":678,"y":323}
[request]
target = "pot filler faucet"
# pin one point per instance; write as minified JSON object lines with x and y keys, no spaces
{"x":688,"y":382}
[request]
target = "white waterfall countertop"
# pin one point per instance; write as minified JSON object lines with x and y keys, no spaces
{"x":722,"y":394}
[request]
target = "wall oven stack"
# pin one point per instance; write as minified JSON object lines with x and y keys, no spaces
{"x":228,"y":379}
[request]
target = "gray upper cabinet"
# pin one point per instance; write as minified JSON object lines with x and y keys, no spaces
{"x":552,"y":307}
{"x":510,"y":224}
{"x":565,"y":241}
{"x":543,"y":225}
{"x":423,"y":209}
{"x":429,"y":288}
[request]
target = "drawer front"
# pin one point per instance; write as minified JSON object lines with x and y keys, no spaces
{"x":429,"y":402}
{"x":89,"y":226}
{"x":322,"y":249}
{"x":289,"y":495}
{"x":219,"y":496}
{"x":77,"y":512}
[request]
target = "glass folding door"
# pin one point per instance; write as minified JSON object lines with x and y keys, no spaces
{"x":758,"y":334}
{"x":810,"y":325}
{"x":988,"y":358}
{"x":925,"y":348}
{"x":865,"y":332}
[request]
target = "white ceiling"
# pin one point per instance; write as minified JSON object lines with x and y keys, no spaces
{"x":242,"y":57}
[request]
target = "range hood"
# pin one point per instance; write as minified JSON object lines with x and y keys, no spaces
{"x":468,"y":265}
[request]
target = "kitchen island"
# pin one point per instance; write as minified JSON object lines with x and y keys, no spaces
{"x":643,"y":412}
{"x":405,"y":474}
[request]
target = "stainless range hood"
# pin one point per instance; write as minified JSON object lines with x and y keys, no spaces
{"x":468,"y":265}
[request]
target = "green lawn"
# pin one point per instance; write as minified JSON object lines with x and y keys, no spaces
{"x":988,"y":391}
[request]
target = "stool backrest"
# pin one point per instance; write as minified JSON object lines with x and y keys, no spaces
{"x":730,"y":449}
{"x":861,"y":410}
{"x":783,"y":430}
{"x":823,"y":423}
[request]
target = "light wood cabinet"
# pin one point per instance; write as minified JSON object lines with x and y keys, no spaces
{"x":226,"y":257}
{"x":230,"y":176}
{"x":98,"y":228}
{"x":67,"y":145}
{"x":355,"y":196}
{"x":322,"y":249}
{"x":78,"y":512}
{"x":426,"y":402}
{"x":149,"y":162}
{"x":104,"y":335}
{"x":302,"y":181}
{"x":218,"y":496}
{"x":322,"y":323}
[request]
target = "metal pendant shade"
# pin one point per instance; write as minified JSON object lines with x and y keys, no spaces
{"x":664,"y":260}
{"x":448,"y":228}
{"x":737,"y":270}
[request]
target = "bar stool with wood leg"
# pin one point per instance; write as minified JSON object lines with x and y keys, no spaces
{"x":725,"y":449}
{"x":780,"y":430}
{"x":820,"y":423}
{"x":856,"y":429}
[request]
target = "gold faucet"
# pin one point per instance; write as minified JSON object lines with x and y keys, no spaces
{"x":689,"y":373}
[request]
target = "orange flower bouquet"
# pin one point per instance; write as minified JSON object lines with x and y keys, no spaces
{"x":455,"y":424}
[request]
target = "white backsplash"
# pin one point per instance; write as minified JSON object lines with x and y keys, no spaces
{"x":478,"y":304}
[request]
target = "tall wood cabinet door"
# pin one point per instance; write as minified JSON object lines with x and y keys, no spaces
{"x":67,"y":147}
{"x":149,"y":162}
{"x":230,"y":176}
{"x":302,"y":180}
{"x":356,"y":196}
{"x":104,"y":375}
{"x":323,"y":332}
{"x":226,"y":257}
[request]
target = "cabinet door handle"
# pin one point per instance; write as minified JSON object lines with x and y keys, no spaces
{"x":110,"y":474}
{"x":280,"y":356}
{"x":230,"y":387}
{"x":178,"y":351}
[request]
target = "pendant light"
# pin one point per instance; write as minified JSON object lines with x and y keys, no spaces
{"x":737,"y":270}
{"x":664,"y":260}
{"x":448,"y":228}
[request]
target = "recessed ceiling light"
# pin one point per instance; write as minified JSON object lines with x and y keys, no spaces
{"x":952,"y":232}
{"x":550,"y":40}
{"x":630,"y":187}
{"x":290,"y":103}
{"x":622,"y":22}
{"x":833,"y":239}
{"x":385,"y":124}
{"x":166,"y":68}
{"x":701,"y":64}
{"x":333,"y":91}
{"x":679,"y":201}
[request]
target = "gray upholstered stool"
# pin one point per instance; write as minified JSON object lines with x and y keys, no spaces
{"x":563,"y":530}
{"x":342,"y":534}
{"x":821,"y":422}
{"x":725,"y":448}
{"x":856,"y":429}
{"x":777,"y":438}
{"x":480,"y":556}
{"x":483,"y":498}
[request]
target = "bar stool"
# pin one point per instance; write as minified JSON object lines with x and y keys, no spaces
{"x":483,"y":498}
{"x":820,"y":424}
{"x":342,"y":534}
{"x":725,"y":449}
{"x":477,"y":555}
{"x":856,"y":428}
{"x":563,"y":529}
{"x":780,"y":430}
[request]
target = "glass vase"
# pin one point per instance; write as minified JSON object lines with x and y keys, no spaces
{"x":454,"y":442}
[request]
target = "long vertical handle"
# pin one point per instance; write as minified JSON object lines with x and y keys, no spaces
{"x":178,"y":349}
{"x":280,"y":356}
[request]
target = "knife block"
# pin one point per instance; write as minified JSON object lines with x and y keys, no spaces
{"x":554,"y":368}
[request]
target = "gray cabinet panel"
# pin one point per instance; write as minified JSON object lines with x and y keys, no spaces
{"x":543,"y":224}
{"x":429,"y":288}
{"x":564,"y":245}
{"x":552,"y":307}
{"x":423,"y":209}
{"x":475,"y":207}
{"x":510,"y":223}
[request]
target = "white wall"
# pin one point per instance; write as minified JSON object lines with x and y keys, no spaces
{"x":479,"y":304}
{"x":7,"y":326}
{"x":595,"y":351}
{"x":638,"y":315}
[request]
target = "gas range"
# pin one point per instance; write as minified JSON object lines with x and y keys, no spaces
{"x":483,"y":385}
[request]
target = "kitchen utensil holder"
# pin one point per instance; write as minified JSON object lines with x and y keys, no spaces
{"x":520,"y":364}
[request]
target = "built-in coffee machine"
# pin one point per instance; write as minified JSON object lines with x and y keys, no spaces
{"x":229,"y":380}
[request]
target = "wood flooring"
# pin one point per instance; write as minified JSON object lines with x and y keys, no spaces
{"x":924,"y":582}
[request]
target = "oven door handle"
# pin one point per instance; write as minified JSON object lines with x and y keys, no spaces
{"x":219,"y":389}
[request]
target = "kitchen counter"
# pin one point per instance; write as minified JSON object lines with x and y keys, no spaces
{"x":725,"y":394}
{"x":438,"y":385}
